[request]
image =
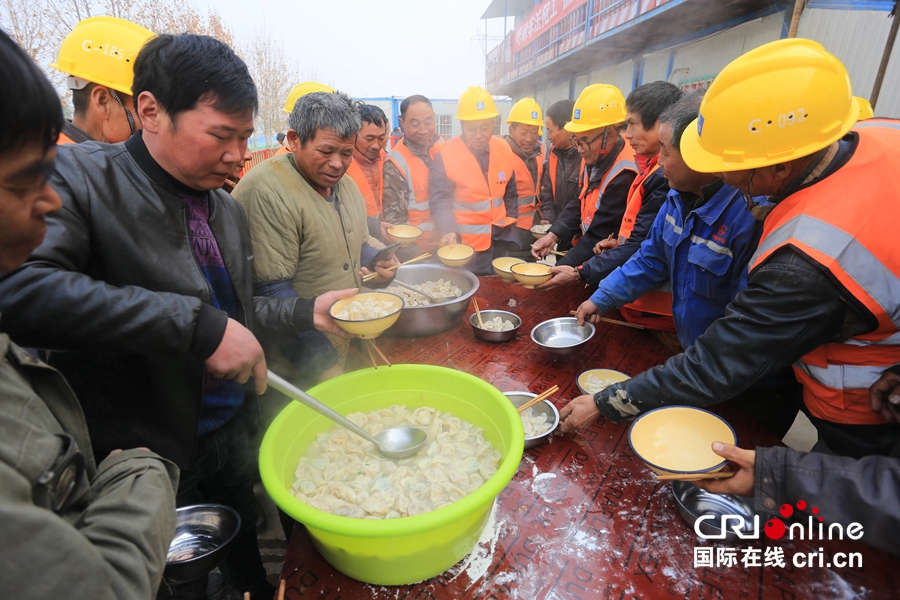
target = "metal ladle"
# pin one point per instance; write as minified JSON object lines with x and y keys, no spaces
{"x":398,"y":442}
{"x":431,"y":298}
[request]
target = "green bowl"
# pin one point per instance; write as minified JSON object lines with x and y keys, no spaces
{"x":409,"y":549}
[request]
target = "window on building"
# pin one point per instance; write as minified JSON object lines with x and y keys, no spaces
{"x":444,"y":125}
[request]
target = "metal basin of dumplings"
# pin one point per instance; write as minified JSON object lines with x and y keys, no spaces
{"x":694,"y":503}
{"x":544,"y":407}
{"x":562,"y":336}
{"x":422,"y":321}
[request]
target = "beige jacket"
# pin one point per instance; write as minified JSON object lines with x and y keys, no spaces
{"x":299,"y":236}
{"x":110,"y":541}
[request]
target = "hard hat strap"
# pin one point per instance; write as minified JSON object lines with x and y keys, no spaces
{"x":128,"y":114}
{"x":748,"y":196}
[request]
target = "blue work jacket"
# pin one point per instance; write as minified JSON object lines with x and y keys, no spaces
{"x":704,"y":254}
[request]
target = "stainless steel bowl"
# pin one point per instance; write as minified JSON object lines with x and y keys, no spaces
{"x":694,"y":503}
{"x":520,"y":398}
{"x":495,"y":336}
{"x":562,"y":336}
{"x":422,"y":321}
{"x":203,"y":536}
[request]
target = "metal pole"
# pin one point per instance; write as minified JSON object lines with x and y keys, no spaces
{"x":886,"y":57}
{"x":795,"y":18}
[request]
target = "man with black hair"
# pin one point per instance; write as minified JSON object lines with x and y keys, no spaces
{"x":643,"y":107}
{"x":406,"y":199}
{"x":101,"y":81}
{"x":72,"y":527}
{"x":145,"y":281}
{"x":367,"y":166}
{"x":701,"y":240}
{"x":559,"y":181}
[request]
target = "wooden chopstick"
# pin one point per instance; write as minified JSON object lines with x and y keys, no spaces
{"x":613,"y":321}
{"x":537,"y":399}
{"x":556,"y":252}
{"x":477,"y":311}
{"x":281,"y":583}
{"x":371,"y":356}
{"x":380,"y":353}
{"x":372,"y":276}
{"x":719,"y":475}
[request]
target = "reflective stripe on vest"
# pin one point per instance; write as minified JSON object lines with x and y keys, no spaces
{"x":635,"y":201}
{"x":373,"y":204}
{"x":478,"y":202}
{"x":845,"y":223}
{"x":590,"y":201}
{"x":552,"y":163}
{"x":415,"y":172}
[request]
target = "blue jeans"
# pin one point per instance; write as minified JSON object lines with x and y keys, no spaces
{"x":222,"y":472}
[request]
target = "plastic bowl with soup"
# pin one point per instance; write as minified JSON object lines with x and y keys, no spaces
{"x":457,"y":255}
{"x":502,"y":265}
{"x":405,"y":234}
{"x":677,"y":440}
{"x":531,"y":274}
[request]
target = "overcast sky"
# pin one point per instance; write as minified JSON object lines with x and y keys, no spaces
{"x":373,"y":48}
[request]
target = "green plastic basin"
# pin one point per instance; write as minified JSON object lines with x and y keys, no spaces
{"x":411,"y":549}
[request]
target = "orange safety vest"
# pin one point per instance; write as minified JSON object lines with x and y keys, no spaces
{"x":590,"y":201}
{"x":478,"y":202}
{"x":846,"y":223}
{"x":415,"y":172}
{"x":527,"y":188}
{"x":373,"y":201}
{"x":63,"y":139}
{"x":281,"y":150}
{"x":658,"y":303}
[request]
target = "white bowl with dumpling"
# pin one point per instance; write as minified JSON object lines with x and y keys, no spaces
{"x":539,"y":421}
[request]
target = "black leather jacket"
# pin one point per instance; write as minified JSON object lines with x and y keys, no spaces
{"x":115,"y":285}
{"x":790,"y":307}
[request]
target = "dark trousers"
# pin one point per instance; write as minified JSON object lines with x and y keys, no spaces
{"x":222,"y":473}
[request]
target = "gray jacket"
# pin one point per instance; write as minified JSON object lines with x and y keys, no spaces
{"x":116,"y":286}
{"x":845,"y":490}
{"x":111,"y":538}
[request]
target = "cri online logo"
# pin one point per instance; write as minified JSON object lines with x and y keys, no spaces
{"x":775,"y":528}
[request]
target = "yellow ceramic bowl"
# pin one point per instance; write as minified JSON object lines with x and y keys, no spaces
{"x":457,"y":255}
{"x":501,"y":267}
{"x":405,"y":234}
{"x":602,"y":374}
{"x":678,"y":440}
{"x":531,"y":274}
{"x":371,"y":328}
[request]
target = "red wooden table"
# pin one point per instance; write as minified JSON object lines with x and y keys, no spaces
{"x":583,"y":518}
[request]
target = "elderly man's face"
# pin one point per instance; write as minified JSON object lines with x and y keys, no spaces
{"x":371,"y":141}
{"x":478,"y":133}
{"x":418,"y":125}
{"x":201,"y":147}
{"x":525,"y":136}
{"x":25,"y":199}
{"x":324,"y":159}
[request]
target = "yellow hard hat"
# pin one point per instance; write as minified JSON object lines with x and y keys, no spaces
{"x":302,"y":89}
{"x":599,"y":105}
{"x":476,"y":104}
{"x":782,"y":101}
{"x":102,"y":50}
{"x":865,"y":108}
{"x":527,"y":112}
